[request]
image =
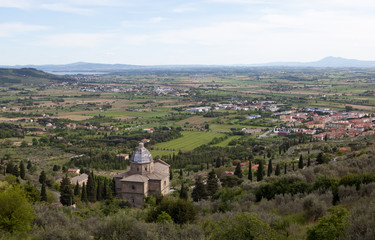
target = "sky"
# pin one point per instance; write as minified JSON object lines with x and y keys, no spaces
{"x":165,"y":32}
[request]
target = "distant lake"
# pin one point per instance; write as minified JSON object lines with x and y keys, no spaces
{"x":76,"y":73}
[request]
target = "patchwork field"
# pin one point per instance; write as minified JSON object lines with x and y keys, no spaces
{"x":189,"y":141}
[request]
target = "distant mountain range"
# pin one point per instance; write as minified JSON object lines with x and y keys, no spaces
{"x":330,"y":62}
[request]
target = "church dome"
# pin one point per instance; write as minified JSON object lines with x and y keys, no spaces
{"x":141,"y":155}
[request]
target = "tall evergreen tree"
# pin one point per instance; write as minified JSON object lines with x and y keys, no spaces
{"x":181,"y":172}
{"x":269,"y":170}
{"x":84,"y":193}
{"x":22,"y":170}
{"x":218,"y":162}
{"x":76,"y":189}
{"x":293,"y":166}
{"x":29,"y":165}
{"x":285,"y":168}
{"x":277,"y":171}
{"x":250,"y":175}
{"x":99,"y":191}
{"x":319,"y":158}
{"x":238,"y":171}
{"x":183,"y":192}
{"x":260,"y":172}
{"x":308,"y":161}
{"x":105,"y":189}
{"x":91,"y":188}
{"x":43,"y":193}
{"x":199,"y":191}
{"x":300,"y":162}
{"x":170,"y":174}
{"x":66,"y":192}
{"x":212,"y":183}
{"x":42,"y":177}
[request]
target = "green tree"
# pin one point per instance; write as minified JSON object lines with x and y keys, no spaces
{"x":277,"y":170}
{"x":300,"y":162}
{"x":42,"y":177}
{"x":29,"y":165}
{"x":22,"y":170}
{"x":260,"y":171}
{"x":243,"y":226}
{"x":212,"y":183}
{"x":308,"y":161}
{"x":164,"y":217}
{"x":320,"y":158}
{"x":330,"y":227}
{"x":76,"y":189}
{"x":16,"y":213}
{"x":91,"y":188}
{"x":285,"y":168}
{"x":183,"y":192}
{"x":199,"y":191}
{"x":84,"y":193}
{"x":269,"y":169}
{"x":170,"y":174}
{"x":35,"y":142}
{"x":218,"y":162}
{"x":43,"y":193}
{"x":238,"y":171}
{"x":250,"y":175}
{"x":66,"y":192}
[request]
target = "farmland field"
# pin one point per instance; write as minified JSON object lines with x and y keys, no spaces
{"x":189,"y":141}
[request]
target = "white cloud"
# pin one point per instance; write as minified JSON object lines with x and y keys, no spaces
{"x":14,"y":28}
{"x":22,"y":4}
{"x":183,"y":8}
{"x":59,"y":7}
{"x":157,"y":19}
{"x":84,"y":40}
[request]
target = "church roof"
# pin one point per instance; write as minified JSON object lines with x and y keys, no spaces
{"x":141,"y":155}
{"x":135,"y":178}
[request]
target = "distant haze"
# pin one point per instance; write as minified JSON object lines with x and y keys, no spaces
{"x":97,"y":68}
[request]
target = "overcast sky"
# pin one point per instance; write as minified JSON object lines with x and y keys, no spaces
{"x":150,"y":32}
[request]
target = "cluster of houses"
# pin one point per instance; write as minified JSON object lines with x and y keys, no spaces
{"x":327,"y":124}
{"x":240,"y":105}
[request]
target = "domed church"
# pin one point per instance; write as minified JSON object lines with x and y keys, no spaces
{"x":145,"y":177}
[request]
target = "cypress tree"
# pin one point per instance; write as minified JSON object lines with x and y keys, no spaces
{"x":277,"y":171}
{"x":91,"y":188}
{"x":170,"y":174}
{"x":181,"y":172}
{"x":260,"y":172}
{"x":84,"y":193}
{"x":250,"y":176}
{"x":300,"y":162}
{"x":66,"y":192}
{"x":105,"y":189}
{"x":199,"y":191}
{"x":319,"y":158}
{"x":269,"y":170}
{"x":99,"y":191}
{"x":238,"y":171}
{"x":218,"y":162}
{"x":293,"y":166}
{"x":29,"y":165}
{"x":76,"y":189}
{"x":22,"y":170}
{"x":308,"y":161}
{"x":212,"y":183}
{"x":42,"y":177}
{"x":285,"y":168}
{"x":43,"y":193}
{"x":183,"y":192}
